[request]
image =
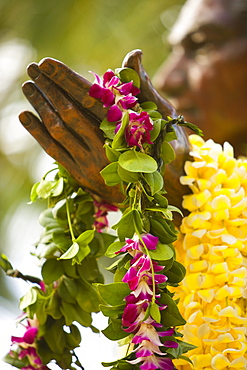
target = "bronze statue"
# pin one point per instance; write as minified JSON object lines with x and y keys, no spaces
{"x":68,"y":124}
{"x":205,"y":77}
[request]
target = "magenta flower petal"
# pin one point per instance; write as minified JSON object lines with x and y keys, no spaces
{"x":150,"y":241}
{"x":42,"y":286}
{"x":144,"y":352}
{"x":97,"y":78}
{"x":138,"y":130}
{"x":108,"y":75}
{"x":130,"y":314}
{"x":170,"y":343}
{"x":128,"y":101}
{"x":168,"y":332}
{"x":23,"y":353}
{"x":159,"y":279}
{"x":114,"y":114}
{"x":30,"y":335}
{"x":165,"y":363}
{"x":107,"y":97}
{"x":135,"y":90}
{"x":126,"y":88}
{"x":95,"y":91}
{"x":148,"y":365}
{"x":114,"y":81}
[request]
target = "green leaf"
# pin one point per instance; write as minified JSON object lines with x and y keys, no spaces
{"x":71,"y":252}
{"x":171,"y":315}
{"x":185,"y":346}
{"x":85,"y":238}
{"x":58,"y":187}
{"x":59,"y":210}
{"x":128,"y":176}
{"x":176,"y":273}
{"x":155,"y":181}
{"x":28,"y":299}
{"x":4,"y":263}
{"x":148,"y":105}
{"x":62,"y":241}
{"x":138,"y":224}
{"x":115,"y":332}
{"x":134,"y":161}
{"x":69,"y":269}
{"x":44,"y":189}
{"x":127,"y":75}
{"x":73,"y":312}
{"x":156,"y":129}
{"x":163,"y":202}
{"x":73,"y":339}
{"x":154,"y":115}
{"x":163,"y":252}
{"x":88,"y":297}
{"x":113,"y":248}
{"x":112,"y":154}
{"x":14,"y":360}
{"x":71,"y":286}
{"x":47,"y":220}
{"x":119,"y":139}
{"x":64,"y":292}
{"x":114,"y":293}
{"x":53,"y":307}
{"x":155,"y":312}
{"x":110,"y":174}
{"x":39,"y":309}
{"x":171,"y":135}
{"x":33,"y":194}
{"x":51,"y":271}
{"x":125,"y":227}
{"x":112,"y":311}
{"x":167,"y":152}
{"x":108,"y":128}
{"x":55,"y":337}
{"x":83,"y":252}
{"x":89,"y":269}
{"x":175,"y":209}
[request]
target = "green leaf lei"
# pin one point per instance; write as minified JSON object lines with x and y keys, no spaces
{"x":144,"y":257}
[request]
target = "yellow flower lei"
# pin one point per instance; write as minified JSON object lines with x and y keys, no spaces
{"x":213,"y":248}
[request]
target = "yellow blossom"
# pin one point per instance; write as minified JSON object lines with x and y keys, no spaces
{"x":213,"y":247}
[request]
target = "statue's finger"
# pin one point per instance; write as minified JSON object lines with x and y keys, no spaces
{"x":86,"y":163}
{"x":53,"y":148}
{"x":148,"y":92}
{"x":48,"y":115}
{"x":84,"y":126}
{"x":88,"y":178}
{"x":73,"y":83}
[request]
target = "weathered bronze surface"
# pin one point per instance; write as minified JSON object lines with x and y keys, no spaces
{"x":68,"y":125}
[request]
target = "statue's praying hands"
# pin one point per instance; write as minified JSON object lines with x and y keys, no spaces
{"x":69,"y":119}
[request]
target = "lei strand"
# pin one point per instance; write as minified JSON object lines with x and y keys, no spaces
{"x":141,"y":309}
{"x":213,"y":247}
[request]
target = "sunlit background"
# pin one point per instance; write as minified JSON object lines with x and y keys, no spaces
{"x":86,"y":35}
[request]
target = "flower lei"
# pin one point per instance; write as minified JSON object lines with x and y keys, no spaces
{"x":141,"y":309}
{"x":213,"y":247}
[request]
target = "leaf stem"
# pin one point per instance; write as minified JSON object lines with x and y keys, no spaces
{"x":53,"y":169}
{"x":69,"y":220}
{"x":18,"y":274}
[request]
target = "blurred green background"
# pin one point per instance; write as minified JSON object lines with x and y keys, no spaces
{"x":86,"y":35}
